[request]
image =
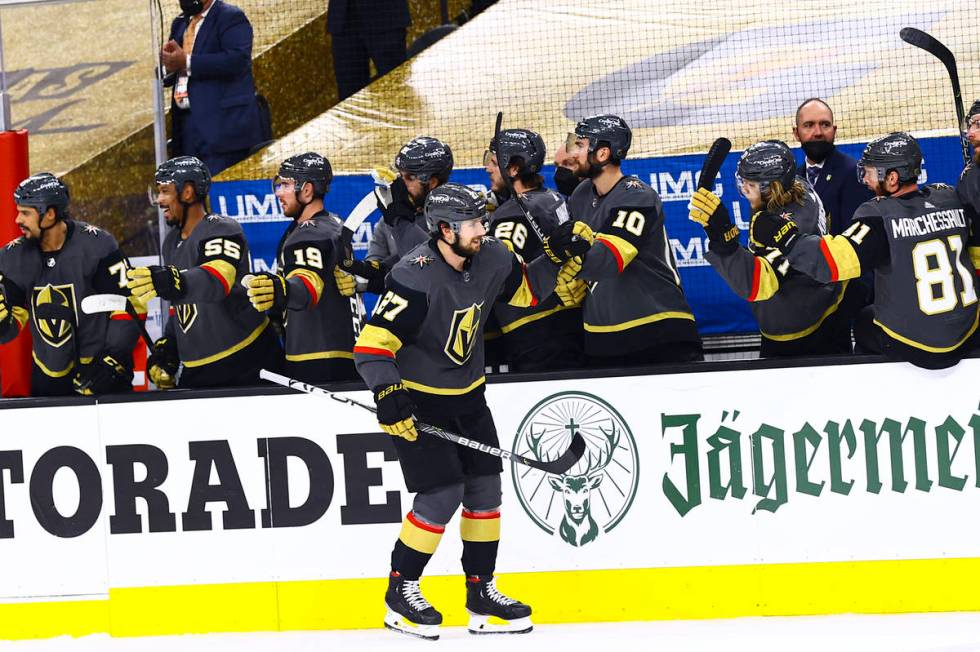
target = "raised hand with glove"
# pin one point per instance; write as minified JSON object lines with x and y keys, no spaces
{"x":568,"y":240}
{"x":101,"y":376}
{"x":770,"y":230}
{"x":707,"y":210}
{"x":166,"y":282}
{"x":268,"y":292}
{"x":163,"y":363}
{"x":401,"y":206}
{"x":396,"y":411}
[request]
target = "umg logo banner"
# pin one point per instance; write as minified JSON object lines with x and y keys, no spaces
{"x":596,"y":494}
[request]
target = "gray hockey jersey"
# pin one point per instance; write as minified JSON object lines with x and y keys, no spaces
{"x":89,"y":262}
{"x":215,"y":319}
{"x":925,"y":284}
{"x":318,"y":321}
{"x":635,"y":298}
{"x":787,"y":304}
{"x":427,"y":328}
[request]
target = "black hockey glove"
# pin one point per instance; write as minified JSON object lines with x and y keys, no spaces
{"x":769,"y":230}
{"x":163,"y":363}
{"x":102,"y":376}
{"x":707,"y":210}
{"x":568,"y":240}
{"x":395,"y":411}
{"x":402,"y":207}
{"x":157,"y":281}
{"x":6,"y":315}
{"x":268,"y":292}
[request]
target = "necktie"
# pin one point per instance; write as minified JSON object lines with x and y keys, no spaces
{"x":191,"y":34}
{"x":812,"y":173}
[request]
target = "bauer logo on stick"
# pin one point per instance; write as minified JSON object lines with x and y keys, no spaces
{"x":597,"y":492}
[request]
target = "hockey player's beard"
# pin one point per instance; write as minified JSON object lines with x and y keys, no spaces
{"x":464,"y":252}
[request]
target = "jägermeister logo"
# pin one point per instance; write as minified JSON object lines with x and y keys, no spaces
{"x":595,"y":494}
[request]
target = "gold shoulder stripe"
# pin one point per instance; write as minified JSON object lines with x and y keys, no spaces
{"x":841,"y":257}
{"x":21,"y":316}
{"x":975,"y":257}
{"x":625,"y":252}
{"x":312,"y":281}
{"x":524,"y":296}
{"x":223,"y":271}
{"x":376,"y":339}
{"x":765,"y":283}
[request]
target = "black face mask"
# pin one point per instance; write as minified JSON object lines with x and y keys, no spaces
{"x":191,"y":7}
{"x":566,"y":181}
{"x":818,"y":150}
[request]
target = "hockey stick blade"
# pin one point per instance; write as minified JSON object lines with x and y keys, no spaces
{"x":555,"y":467}
{"x":96,"y":303}
{"x":933,"y":46}
{"x":713,"y":161}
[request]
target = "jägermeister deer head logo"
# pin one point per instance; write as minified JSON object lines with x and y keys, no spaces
{"x":595,"y":494}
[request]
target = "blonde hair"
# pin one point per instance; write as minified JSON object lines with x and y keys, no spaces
{"x":779,"y":196}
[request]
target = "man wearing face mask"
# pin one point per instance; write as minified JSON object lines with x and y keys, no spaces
{"x":566,"y":181}
{"x":209,"y":64}
{"x":829,"y":171}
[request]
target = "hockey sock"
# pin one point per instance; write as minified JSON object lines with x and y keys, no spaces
{"x":415,"y":545}
{"x":480,"y":532}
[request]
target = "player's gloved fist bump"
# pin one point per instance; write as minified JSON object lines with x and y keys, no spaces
{"x":396,"y":411}
{"x":100,"y":376}
{"x":267,"y":292}
{"x":769,"y":230}
{"x":706,"y":209}
{"x":166,"y":282}
{"x":346,"y":284}
{"x":163,"y":363}
{"x":569,"y":289}
{"x":568,"y":240}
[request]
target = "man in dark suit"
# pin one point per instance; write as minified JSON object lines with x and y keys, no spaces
{"x":832,"y":173}
{"x":214,"y":113}
{"x":364,"y":30}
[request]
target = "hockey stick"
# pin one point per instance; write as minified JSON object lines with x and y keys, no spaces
{"x":557,"y":467}
{"x":920,"y":39}
{"x":712,"y":162}
{"x":365,"y":207}
{"x":96,"y":303}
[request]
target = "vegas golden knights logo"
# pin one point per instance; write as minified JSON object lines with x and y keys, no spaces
{"x":186,"y":313}
{"x":53,"y":310}
{"x":463,"y":333}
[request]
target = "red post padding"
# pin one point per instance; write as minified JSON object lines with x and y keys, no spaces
{"x":15,"y":356}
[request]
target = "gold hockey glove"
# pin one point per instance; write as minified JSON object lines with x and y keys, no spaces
{"x":570,"y":290}
{"x":156,"y":281}
{"x":396,"y":411}
{"x":707,"y":210}
{"x":346,"y":284}
{"x":268,"y":292}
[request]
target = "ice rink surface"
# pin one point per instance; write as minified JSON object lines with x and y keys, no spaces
{"x":950,"y":632}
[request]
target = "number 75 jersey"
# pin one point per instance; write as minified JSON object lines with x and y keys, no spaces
{"x":919,"y":247}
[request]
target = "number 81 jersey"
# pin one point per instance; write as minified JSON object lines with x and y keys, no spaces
{"x":918,"y":245}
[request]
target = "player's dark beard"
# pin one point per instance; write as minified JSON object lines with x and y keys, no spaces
{"x":818,"y":150}
{"x":459,"y":250}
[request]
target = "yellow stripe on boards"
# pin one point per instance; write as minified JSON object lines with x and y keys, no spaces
{"x":920,"y":585}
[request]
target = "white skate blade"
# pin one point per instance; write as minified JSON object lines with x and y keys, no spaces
{"x":399,"y":623}
{"x":480,"y":624}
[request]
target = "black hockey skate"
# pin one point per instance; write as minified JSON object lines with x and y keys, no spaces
{"x":492,"y":612}
{"x":408,"y":610}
